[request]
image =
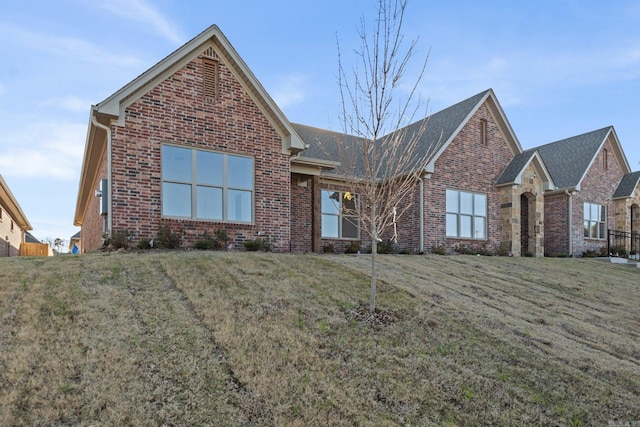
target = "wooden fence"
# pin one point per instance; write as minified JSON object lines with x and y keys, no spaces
{"x":35,"y":249}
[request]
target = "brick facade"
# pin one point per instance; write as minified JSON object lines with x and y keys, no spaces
{"x":175,"y":111}
{"x":467,"y":165}
{"x":301,"y":213}
{"x":598,"y":186}
{"x":556,"y":226}
{"x":235,"y":116}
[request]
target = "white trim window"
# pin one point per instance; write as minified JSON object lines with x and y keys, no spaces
{"x":595,"y":221}
{"x":207,"y":185}
{"x":466,"y":215}
{"x":340,"y":215}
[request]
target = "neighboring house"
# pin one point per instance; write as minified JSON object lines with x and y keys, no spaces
{"x":195,"y":145}
{"x":75,"y":243}
{"x":13,"y":222}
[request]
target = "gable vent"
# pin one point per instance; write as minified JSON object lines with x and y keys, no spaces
{"x":210,"y":72}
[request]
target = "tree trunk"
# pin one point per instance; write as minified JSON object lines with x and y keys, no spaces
{"x":374,"y":272}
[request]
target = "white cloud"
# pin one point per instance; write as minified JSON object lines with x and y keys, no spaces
{"x":48,"y":150}
{"x":141,"y":11}
{"x":289,"y":90}
{"x":76,"y":49}
{"x":70,"y":102}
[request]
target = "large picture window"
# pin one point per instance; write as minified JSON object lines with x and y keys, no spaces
{"x":339,"y":215}
{"x":466,"y":215}
{"x":595,"y":221}
{"x":206,"y":185}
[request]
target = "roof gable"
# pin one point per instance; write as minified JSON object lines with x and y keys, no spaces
{"x":440,"y":130}
{"x":115,"y":105}
{"x":513,"y":172}
{"x":445,"y":125}
{"x":568,"y":160}
{"x":627,"y":185}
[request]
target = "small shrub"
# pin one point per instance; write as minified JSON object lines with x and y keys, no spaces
{"x":463,"y":249}
{"x":589,"y":253}
{"x":208,"y":243}
{"x":385,"y":247}
{"x":527,"y":254}
{"x":438,"y":249}
{"x":222,"y":237}
{"x":167,"y":239}
{"x":353,"y":248}
{"x":562,"y":255}
{"x":144,"y":244}
{"x":257,"y":245}
{"x":616,"y":251}
{"x":504,"y":249}
{"x":404,"y":252}
{"x":328,"y":248}
{"x":118,"y":240}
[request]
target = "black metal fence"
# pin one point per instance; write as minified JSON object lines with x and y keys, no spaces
{"x":623,"y":244}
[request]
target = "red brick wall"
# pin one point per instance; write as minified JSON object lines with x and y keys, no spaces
{"x":93,"y":223}
{"x":301,"y":216}
{"x":176,"y":112}
{"x":556,"y":223}
{"x":598,"y":187}
{"x":467,"y":165}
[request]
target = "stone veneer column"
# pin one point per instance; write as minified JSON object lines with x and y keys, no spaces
{"x":622,"y":209}
{"x":511,"y":213}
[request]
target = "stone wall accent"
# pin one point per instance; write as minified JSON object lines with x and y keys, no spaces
{"x":513,"y":214}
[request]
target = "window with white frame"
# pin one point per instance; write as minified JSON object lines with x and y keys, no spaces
{"x":466,"y":215}
{"x":339,"y":215}
{"x":595,"y":221}
{"x":206,"y":185}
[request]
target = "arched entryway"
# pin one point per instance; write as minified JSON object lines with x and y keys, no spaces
{"x":527,"y":224}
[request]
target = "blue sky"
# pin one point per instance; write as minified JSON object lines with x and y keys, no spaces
{"x":559,"y":68}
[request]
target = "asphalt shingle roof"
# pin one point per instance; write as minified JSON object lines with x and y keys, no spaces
{"x":567,"y":160}
{"x":627,"y":185}
{"x":515,"y":167}
{"x":440,"y":128}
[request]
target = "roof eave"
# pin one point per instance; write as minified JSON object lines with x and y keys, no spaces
{"x":13,"y":207}
{"x":116,"y":103}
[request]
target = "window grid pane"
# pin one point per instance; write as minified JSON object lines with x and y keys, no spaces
{"x":466,"y":215}
{"x":209,"y":203}
{"x":196,"y":184}
{"x":176,"y":199}
{"x":338,"y":219}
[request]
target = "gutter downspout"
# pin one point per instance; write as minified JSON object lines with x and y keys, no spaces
{"x":421,"y":212}
{"x":107,"y":129}
{"x":570,"y":218}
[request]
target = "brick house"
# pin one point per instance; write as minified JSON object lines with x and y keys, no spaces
{"x":14,"y":225}
{"x":594,"y":192}
{"x":195,"y":144}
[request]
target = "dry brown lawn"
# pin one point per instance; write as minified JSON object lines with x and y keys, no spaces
{"x":256,"y":339}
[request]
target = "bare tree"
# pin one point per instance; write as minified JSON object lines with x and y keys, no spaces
{"x":384,"y":161}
